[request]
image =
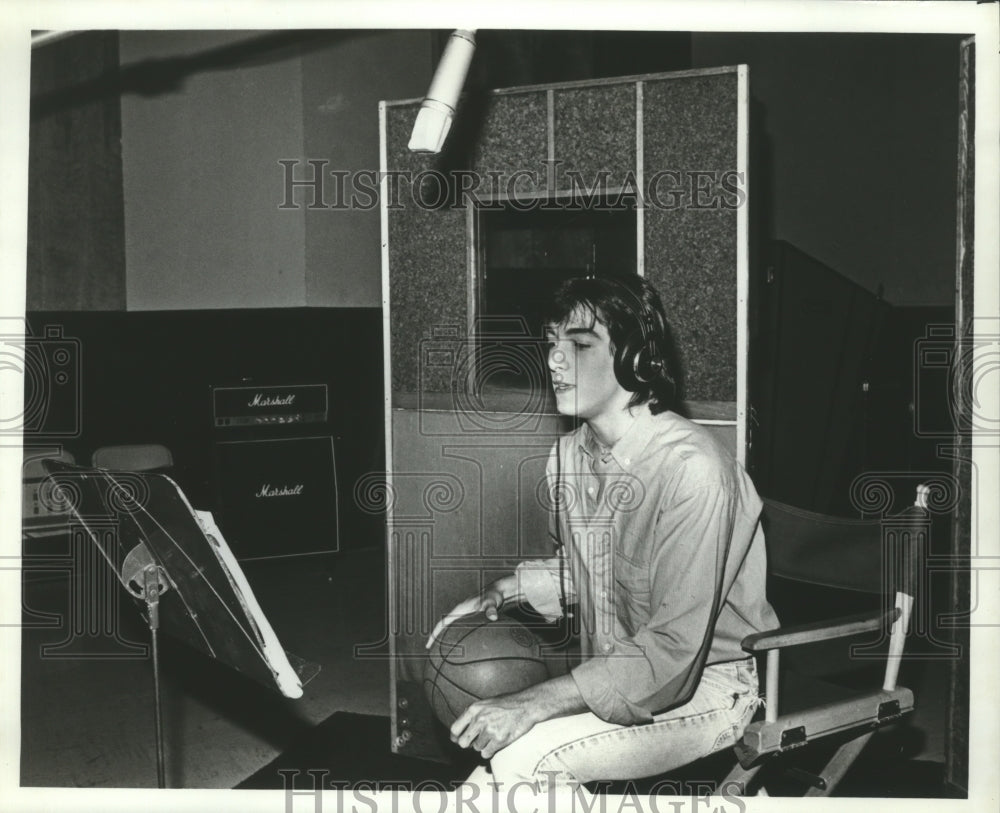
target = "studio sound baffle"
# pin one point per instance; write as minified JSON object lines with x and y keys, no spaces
{"x":275,"y":474}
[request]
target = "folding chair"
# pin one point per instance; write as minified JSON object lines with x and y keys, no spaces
{"x":879,"y":556}
{"x":138,"y":457}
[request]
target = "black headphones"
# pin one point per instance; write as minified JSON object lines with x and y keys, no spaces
{"x":640,"y":359}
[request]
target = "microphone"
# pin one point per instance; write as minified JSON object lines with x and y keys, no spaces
{"x":438,"y":108}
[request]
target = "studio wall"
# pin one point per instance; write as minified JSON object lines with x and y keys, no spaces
{"x":854,"y":165}
{"x":342,"y":84}
{"x":76,"y":251}
{"x":209,"y":222}
{"x":855,"y":140}
{"x":202,"y":183}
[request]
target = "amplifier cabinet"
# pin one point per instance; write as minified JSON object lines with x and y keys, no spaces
{"x":270,"y":406}
{"x":277,"y":497}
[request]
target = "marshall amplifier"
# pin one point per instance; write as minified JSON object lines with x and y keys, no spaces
{"x":269,"y":406}
{"x":277,"y":497}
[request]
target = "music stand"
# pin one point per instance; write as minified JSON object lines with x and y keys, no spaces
{"x":176,"y":561}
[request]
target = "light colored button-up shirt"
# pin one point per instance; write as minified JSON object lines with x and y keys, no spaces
{"x":661,"y":547}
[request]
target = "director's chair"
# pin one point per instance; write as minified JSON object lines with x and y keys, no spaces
{"x":877,"y":556}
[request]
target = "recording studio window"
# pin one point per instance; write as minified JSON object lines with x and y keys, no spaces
{"x":522,"y":256}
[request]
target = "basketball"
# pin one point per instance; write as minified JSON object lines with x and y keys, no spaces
{"x":475,"y":658}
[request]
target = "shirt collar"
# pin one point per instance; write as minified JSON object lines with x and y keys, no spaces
{"x":627,"y":449}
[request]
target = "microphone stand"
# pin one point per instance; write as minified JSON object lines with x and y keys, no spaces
{"x":139,"y":568}
{"x":151,"y":593}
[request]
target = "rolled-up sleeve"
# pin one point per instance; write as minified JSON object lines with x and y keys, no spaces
{"x":636,"y":673}
{"x":538,"y":582}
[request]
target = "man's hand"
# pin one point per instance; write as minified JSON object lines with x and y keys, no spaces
{"x":489,"y":725}
{"x":489,"y":602}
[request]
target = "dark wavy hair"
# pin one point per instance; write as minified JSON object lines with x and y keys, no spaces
{"x":622,"y":304}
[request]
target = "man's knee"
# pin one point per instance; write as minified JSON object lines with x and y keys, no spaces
{"x":520,"y":761}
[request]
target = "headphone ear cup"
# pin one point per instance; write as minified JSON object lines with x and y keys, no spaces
{"x":648,"y":364}
{"x":626,"y":358}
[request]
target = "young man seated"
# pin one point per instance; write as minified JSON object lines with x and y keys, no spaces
{"x":659,"y":545}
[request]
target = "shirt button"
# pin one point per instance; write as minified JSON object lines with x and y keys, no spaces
{"x":607,"y":646}
{"x":604,"y":594}
{"x":590,"y":491}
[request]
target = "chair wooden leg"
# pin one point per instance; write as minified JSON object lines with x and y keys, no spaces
{"x":839,"y":763}
{"x":739,"y":777}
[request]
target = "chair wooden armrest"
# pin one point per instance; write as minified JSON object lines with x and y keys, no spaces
{"x":870,"y":710}
{"x":820,"y":630}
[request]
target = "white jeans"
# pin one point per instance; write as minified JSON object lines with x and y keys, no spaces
{"x":569,"y":751}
